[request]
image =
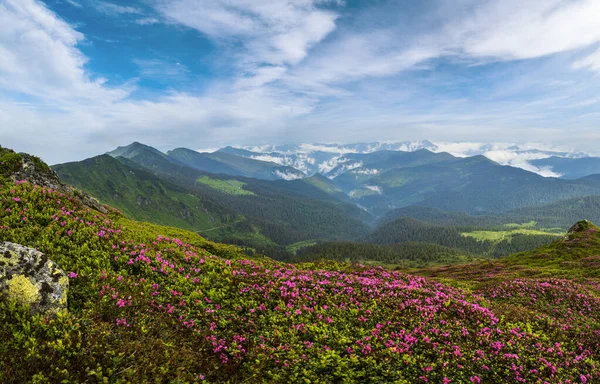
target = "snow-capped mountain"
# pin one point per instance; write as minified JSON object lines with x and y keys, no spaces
{"x":322,"y":158}
{"x":325,"y":158}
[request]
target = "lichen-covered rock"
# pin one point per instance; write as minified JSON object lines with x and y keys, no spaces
{"x":29,"y":277}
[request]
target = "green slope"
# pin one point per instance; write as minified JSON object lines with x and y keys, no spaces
{"x":472,"y":240}
{"x":142,"y":195}
{"x":248,"y":212}
{"x":576,"y":255}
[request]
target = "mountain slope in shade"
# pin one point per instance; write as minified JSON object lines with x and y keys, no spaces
{"x":357,"y":169}
{"x":570,"y":168}
{"x":218,"y":162}
{"x":473,"y":185}
{"x":231,"y":164}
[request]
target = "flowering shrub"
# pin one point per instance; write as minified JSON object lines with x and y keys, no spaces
{"x":156,"y":304}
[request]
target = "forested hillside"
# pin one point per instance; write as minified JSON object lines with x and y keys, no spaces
{"x":474,"y":185}
{"x":404,"y":255}
{"x":410,"y":230}
{"x":143,"y":196}
{"x":242,"y":211}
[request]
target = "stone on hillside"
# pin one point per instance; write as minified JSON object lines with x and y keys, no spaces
{"x":29,"y":277}
{"x":579,"y":227}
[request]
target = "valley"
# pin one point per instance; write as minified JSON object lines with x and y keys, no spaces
{"x":472,"y":207}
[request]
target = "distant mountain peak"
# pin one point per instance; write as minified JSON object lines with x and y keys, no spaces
{"x":133,"y":149}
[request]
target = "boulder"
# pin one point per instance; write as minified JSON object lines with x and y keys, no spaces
{"x":579,"y":227}
{"x":29,"y":277}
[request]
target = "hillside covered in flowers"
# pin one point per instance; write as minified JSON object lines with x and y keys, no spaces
{"x":157,"y":304}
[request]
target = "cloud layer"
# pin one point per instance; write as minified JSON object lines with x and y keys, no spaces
{"x":305,"y":71}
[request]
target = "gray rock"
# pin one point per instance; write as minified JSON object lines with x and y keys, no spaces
{"x":29,"y":277}
{"x":36,"y":172}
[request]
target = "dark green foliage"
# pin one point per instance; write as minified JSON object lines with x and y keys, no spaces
{"x":561,"y":213}
{"x":446,"y":218}
{"x":406,"y":255}
{"x":411,"y":230}
{"x":10,"y":162}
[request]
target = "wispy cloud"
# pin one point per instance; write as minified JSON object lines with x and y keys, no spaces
{"x":115,"y":9}
{"x":147,"y":21}
{"x":590,"y":62}
{"x":161,"y":68}
{"x":74,"y":3}
{"x":273,"y":32}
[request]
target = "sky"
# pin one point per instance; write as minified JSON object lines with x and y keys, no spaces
{"x":80,"y":77}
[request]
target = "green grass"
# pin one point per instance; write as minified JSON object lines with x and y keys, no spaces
{"x":139,"y":194}
{"x":577,"y":255}
{"x":498,"y":236}
{"x":528,"y":225}
{"x":293,"y":248}
{"x":231,"y":187}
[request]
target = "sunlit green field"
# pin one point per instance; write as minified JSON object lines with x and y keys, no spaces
{"x":293,"y":248}
{"x":231,"y":187}
{"x":498,"y":236}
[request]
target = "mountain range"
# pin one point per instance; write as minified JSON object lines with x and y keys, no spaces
{"x":234,"y":196}
{"x":313,"y":158}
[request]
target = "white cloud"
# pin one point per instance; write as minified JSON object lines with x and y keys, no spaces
{"x":590,"y":62}
{"x":517,"y":29}
{"x":115,"y":9}
{"x":366,"y":171}
{"x":147,"y":21}
{"x":521,"y":160}
{"x":472,"y":30}
{"x":161,"y":68}
{"x":73,"y":3}
{"x":273,"y":32}
{"x":39,"y":57}
{"x":288,"y":175}
{"x":374,"y":188}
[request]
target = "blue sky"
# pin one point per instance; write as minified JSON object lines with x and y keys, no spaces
{"x":79,"y":77}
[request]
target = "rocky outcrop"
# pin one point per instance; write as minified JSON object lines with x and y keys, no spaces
{"x":29,"y":277}
{"x":36,"y":172}
{"x":579,"y":227}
